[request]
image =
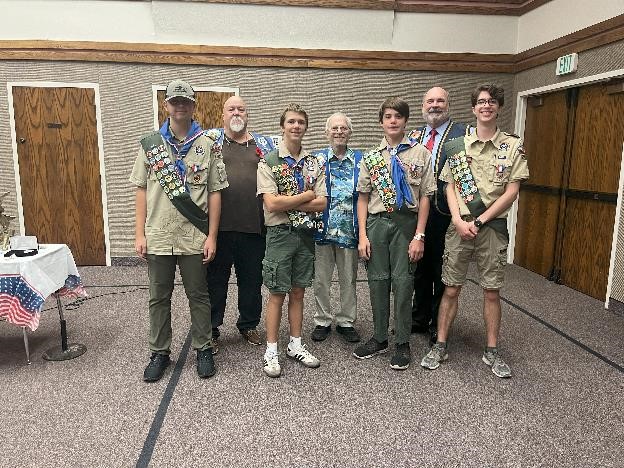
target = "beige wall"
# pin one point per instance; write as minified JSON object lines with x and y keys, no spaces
{"x":126,"y":107}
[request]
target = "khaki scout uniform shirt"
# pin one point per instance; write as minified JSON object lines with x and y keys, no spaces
{"x":167,"y":231}
{"x":494,"y":164}
{"x":267,"y":184}
{"x":416,"y":163}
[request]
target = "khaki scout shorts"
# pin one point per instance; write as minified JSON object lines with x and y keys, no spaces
{"x":488,"y":249}
{"x":288,"y":259}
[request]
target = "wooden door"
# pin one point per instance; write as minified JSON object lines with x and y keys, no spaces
{"x":208,"y":109}
{"x":592,"y":189}
{"x":539,"y":201}
{"x":59,"y":169}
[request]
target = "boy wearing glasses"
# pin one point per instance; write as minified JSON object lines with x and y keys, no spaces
{"x":483,"y":173}
{"x":336,"y":244}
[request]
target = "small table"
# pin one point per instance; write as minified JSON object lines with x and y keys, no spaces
{"x":26,"y":282}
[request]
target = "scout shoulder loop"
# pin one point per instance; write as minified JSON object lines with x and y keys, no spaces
{"x":160,"y":162}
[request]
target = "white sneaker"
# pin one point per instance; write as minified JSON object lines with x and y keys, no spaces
{"x":271,"y":365}
{"x":301,"y":354}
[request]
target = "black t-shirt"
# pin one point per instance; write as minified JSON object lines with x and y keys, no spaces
{"x":241,"y":209}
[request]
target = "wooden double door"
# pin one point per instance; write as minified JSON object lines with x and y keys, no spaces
{"x":566,"y":211}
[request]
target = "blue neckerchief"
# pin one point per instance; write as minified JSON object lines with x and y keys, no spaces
{"x":180,"y":151}
{"x":404,"y":193}
{"x":297,"y":168}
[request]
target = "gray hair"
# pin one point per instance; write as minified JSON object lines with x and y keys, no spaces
{"x":339,"y":114}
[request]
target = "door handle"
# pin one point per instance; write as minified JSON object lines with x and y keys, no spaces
{"x":22,"y":140}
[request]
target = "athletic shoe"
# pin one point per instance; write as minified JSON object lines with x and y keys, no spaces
{"x":156,"y":367}
{"x":301,"y":354}
{"x":499,"y":367}
{"x":371,"y":348}
{"x":205,"y":363}
{"x":271,"y":364}
{"x":401,"y":358}
{"x":434,"y":357}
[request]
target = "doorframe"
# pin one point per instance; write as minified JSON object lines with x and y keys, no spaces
{"x":100,"y":142}
{"x":214,"y":89}
{"x":520,"y":121}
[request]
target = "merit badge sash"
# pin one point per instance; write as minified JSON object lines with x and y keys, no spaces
{"x":466,"y":185}
{"x":381,"y":178}
{"x":169,"y":179}
{"x":289,"y":183}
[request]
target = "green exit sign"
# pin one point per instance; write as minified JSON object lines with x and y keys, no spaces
{"x":567,"y":64}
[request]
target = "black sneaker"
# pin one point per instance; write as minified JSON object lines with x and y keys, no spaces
{"x":401,"y":358}
{"x":320,"y":333}
{"x":156,"y":367}
{"x":205,"y":363}
{"x":371,"y":348}
{"x":348,"y":333}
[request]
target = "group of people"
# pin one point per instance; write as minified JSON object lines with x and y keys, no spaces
{"x":416,"y":209}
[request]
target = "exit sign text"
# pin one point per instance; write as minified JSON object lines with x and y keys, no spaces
{"x":567,"y":64}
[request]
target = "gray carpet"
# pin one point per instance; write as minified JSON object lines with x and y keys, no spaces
{"x":564,"y":406}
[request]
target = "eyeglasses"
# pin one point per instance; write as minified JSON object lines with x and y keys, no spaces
{"x":339,"y":129}
{"x":483,"y":102}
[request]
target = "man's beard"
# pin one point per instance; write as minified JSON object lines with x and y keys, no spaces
{"x":237,"y":124}
{"x":435,"y":119}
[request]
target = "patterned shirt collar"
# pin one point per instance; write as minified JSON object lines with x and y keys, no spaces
{"x":348,"y":155}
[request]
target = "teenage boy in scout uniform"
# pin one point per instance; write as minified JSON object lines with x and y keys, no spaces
{"x":483,"y":173}
{"x":178,"y":180}
{"x":292,"y":185}
{"x":394,"y":185}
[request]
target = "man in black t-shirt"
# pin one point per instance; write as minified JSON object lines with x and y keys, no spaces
{"x":241,"y":238}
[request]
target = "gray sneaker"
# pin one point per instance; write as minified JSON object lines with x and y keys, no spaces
{"x":499,"y":367}
{"x":434,"y":357}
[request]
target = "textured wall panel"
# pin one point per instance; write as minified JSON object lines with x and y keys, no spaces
{"x":592,"y":62}
{"x":126,"y":105}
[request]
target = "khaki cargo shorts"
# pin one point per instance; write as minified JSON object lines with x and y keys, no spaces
{"x":488,"y":249}
{"x":288,"y":260}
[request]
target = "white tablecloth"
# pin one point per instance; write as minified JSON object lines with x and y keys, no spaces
{"x":26,"y":282}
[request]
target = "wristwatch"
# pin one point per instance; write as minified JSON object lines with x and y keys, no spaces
{"x":478,"y":223}
{"x":419,"y":237}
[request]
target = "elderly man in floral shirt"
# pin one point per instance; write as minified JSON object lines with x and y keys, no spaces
{"x":336,"y":245}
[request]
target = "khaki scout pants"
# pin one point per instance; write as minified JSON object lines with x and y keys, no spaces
{"x":389,"y":266}
{"x":161,"y":271}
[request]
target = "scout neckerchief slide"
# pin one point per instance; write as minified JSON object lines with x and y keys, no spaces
{"x":290,"y":181}
{"x":169,"y":179}
{"x":466,"y":185}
